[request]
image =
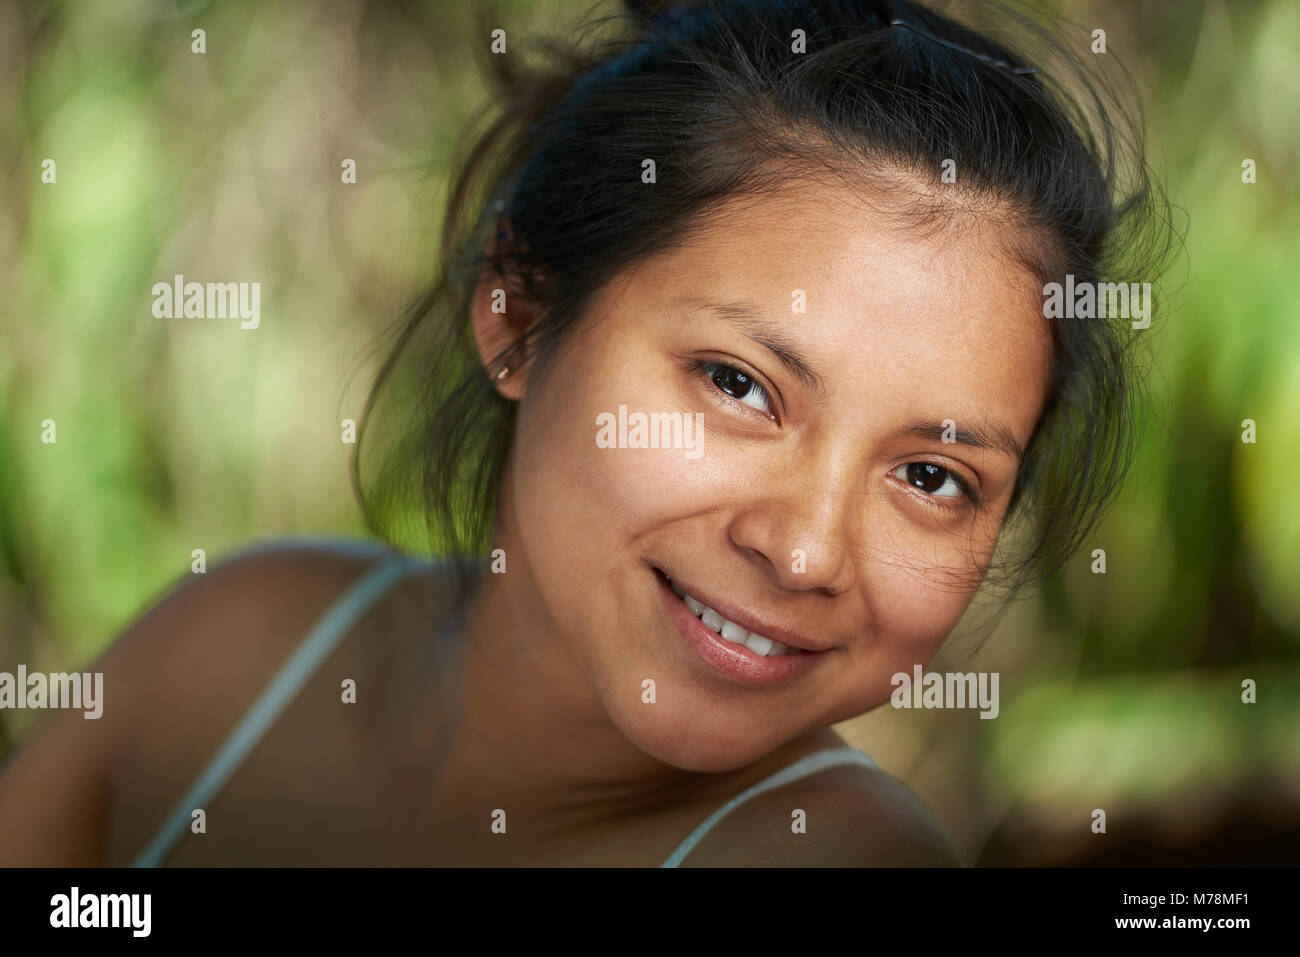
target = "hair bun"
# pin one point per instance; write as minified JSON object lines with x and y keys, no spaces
{"x":652,"y":12}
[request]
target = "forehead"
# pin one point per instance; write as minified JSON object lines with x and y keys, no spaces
{"x":875,"y":286}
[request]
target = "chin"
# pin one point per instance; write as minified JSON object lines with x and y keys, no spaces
{"x":691,"y":735}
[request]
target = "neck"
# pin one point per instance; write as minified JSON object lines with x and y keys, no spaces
{"x":533,"y":734}
{"x":532,"y":727}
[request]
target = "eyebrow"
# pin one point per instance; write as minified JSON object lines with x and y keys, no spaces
{"x":765,"y":332}
{"x":980,"y":435}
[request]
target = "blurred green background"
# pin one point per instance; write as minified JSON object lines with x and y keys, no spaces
{"x":1119,"y":691}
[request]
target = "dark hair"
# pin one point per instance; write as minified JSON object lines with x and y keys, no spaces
{"x":717,"y":96}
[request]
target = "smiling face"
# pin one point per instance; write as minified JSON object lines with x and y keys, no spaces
{"x":824,"y":509}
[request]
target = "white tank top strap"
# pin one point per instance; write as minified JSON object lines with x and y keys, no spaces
{"x":805,"y":766}
{"x":315,"y":647}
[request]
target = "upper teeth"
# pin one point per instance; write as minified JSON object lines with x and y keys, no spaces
{"x":730,"y":631}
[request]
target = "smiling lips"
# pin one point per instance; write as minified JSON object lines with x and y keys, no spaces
{"x":730,"y":649}
{"x":730,"y":631}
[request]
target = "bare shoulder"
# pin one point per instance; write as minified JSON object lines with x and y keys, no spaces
{"x":843,"y":816}
{"x":173,"y":681}
{"x":880,"y":821}
{"x":245,"y":611}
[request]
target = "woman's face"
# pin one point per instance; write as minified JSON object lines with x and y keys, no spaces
{"x":826,"y":353}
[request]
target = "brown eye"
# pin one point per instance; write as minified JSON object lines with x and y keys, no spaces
{"x":931,"y":479}
{"x":738,"y":385}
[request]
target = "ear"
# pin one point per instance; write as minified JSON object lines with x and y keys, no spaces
{"x":500,"y":313}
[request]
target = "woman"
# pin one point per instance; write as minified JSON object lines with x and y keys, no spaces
{"x":739,"y":386}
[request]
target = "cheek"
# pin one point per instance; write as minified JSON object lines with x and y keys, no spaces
{"x":566,"y":482}
{"x":917,"y":590}
{"x":583,"y":512}
{"x":914,"y":606}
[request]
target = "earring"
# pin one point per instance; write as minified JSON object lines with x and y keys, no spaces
{"x":505,"y":371}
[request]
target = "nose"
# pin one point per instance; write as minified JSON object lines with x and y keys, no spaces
{"x":799,"y":529}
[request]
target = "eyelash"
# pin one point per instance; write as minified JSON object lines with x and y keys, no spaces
{"x":968,"y":501}
{"x":707,"y":368}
